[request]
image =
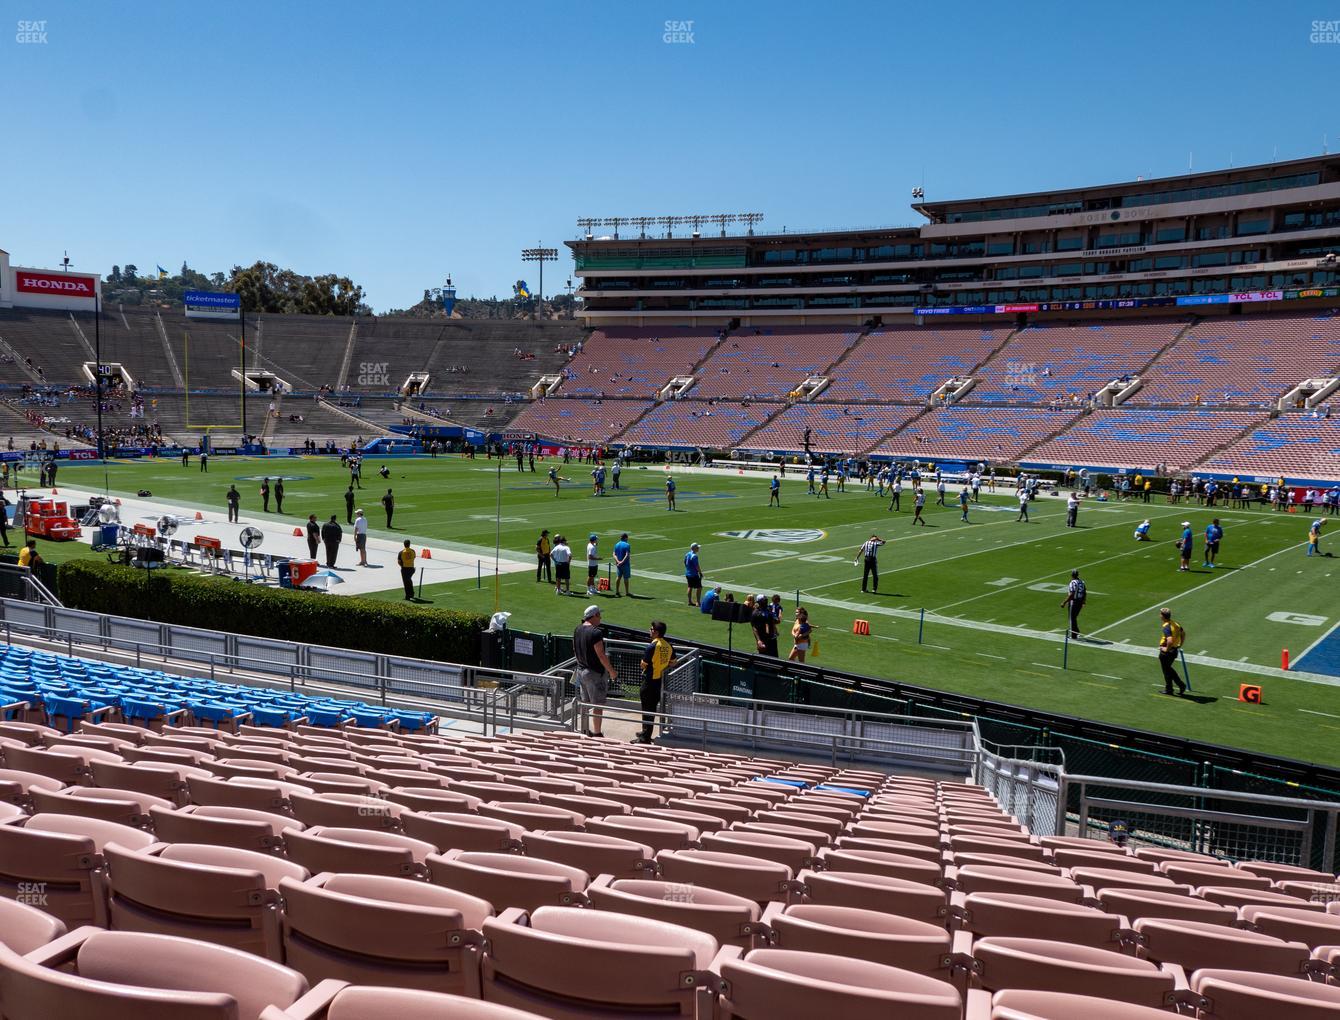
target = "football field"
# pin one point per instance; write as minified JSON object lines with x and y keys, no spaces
{"x":990,"y":589}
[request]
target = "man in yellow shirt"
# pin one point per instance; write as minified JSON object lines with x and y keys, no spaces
{"x":656,"y":659}
{"x":26,"y":553}
{"x":1171,"y":636}
{"x":405,"y":558}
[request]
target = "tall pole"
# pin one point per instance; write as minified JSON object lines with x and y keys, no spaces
{"x":541,"y":255}
{"x":497,"y":542}
{"x":242,"y":375}
{"x":97,"y":368}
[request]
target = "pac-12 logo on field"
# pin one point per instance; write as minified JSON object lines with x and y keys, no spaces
{"x":784,"y":536}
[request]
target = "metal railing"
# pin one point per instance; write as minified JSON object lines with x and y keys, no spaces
{"x":626,"y":657}
{"x":453,"y":689}
{"x":1225,"y":823}
{"x":20,"y":582}
{"x":839,"y":734}
{"x":1032,"y":791}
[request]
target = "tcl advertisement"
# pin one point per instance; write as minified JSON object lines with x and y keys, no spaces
{"x":44,"y":288}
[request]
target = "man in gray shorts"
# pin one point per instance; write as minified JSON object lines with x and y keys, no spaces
{"x":594,"y":669}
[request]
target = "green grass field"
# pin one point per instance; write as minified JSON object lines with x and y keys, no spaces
{"x":991,"y":588}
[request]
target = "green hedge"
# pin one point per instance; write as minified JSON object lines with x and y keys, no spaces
{"x":181,"y":597}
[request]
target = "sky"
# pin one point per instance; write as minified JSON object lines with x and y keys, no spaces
{"x":397,"y":143}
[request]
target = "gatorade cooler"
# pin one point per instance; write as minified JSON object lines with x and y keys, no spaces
{"x":301,"y":570}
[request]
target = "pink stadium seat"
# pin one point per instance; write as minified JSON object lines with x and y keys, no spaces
{"x":261,"y":831}
{"x":754,"y":878}
{"x":463,"y":831}
{"x":918,"y":946}
{"x":780,"y":984}
{"x":63,"y":856}
{"x":212,"y":893}
{"x":509,"y":880}
{"x":1238,"y":995}
{"x":1075,"y":969}
{"x":1198,"y":944}
{"x":1025,"y":1004}
{"x":568,"y":964}
{"x":594,"y":853}
{"x":376,"y":930}
{"x":731,"y":920}
{"x":24,"y":928}
{"x":334,"y":1000}
{"x":876,"y":892}
{"x":358,"y":851}
{"x":119,"y":975}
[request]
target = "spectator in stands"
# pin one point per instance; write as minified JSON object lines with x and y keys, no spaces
{"x":331,"y":534}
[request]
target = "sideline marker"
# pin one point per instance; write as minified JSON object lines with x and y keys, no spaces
{"x":861,"y":627}
{"x":1249,"y":694}
{"x":426,"y":554}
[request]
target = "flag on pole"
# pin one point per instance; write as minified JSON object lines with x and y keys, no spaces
{"x":162,"y":273}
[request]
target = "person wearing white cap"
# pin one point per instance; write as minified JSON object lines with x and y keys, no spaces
{"x":693,"y":575}
{"x":592,"y":562}
{"x":1184,"y":545}
{"x":594,"y":669}
{"x":361,"y":537}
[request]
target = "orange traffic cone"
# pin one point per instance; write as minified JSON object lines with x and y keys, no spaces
{"x":199,"y":516}
{"x":426,"y":554}
{"x":297,"y":532}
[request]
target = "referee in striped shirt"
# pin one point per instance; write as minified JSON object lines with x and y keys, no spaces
{"x":869,"y":553}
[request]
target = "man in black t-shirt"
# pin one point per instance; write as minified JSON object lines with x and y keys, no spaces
{"x":765,"y":628}
{"x":594,"y":669}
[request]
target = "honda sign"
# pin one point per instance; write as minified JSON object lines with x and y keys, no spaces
{"x":26,"y":281}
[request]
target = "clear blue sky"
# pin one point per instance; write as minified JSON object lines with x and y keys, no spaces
{"x":399,"y":142}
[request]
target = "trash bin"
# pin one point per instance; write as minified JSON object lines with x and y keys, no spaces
{"x":107,"y":535}
{"x":491,"y":649}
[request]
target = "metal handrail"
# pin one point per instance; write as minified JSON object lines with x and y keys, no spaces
{"x":1204,"y":793}
{"x":811,"y":709}
{"x":486,"y":699}
{"x":830,"y":740}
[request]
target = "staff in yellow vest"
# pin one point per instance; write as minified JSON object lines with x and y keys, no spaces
{"x":1171,"y":636}
{"x":405,"y":558}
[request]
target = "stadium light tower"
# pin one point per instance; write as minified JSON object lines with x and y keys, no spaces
{"x":669,"y":222}
{"x":697,"y":224}
{"x":642,"y":223}
{"x":722,"y":219}
{"x":749,"y":219}
{"x":586,"y":223}
{"x":540,"y":255}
